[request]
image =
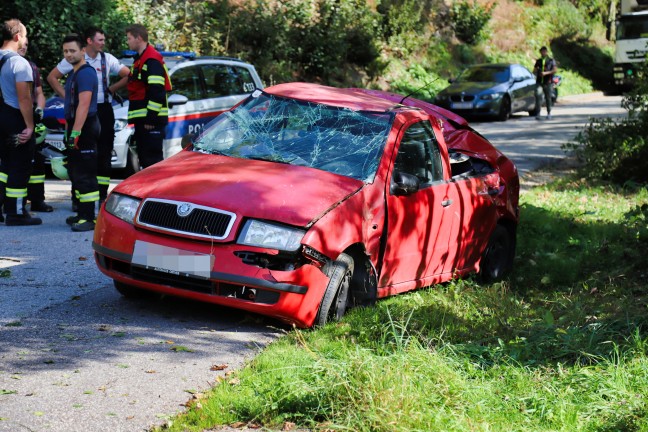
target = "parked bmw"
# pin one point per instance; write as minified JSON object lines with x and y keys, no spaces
{"x":491,"y":90}
{"x":305,"y":200}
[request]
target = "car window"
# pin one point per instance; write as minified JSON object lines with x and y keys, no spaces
{"x":419,"y":155}
{"x":520,"y":72}
{"x":187,"y":82}
{"x":224,"y":80}
{"x":486,"y":74}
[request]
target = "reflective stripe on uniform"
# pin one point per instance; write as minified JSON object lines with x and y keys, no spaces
{"x":3,"y":177}
{"x":16,"y":193}
{"x":137,"y":113}
{"x":37,"y":179}
{"x":88,"y":197}
{"x":154,"y":106}
{"x":103,"y":180}
{"x":155,"y":79}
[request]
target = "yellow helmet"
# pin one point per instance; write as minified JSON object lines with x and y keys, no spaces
{"x":59,"y":167}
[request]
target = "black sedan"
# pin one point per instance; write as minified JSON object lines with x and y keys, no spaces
{"x":490,"y":90}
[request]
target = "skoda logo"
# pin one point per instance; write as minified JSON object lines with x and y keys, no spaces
{"x":184,"y":209}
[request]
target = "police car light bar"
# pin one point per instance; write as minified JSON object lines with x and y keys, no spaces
{"x":187,"y":55}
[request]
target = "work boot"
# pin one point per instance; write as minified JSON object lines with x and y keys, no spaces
{"x":83,"y":225}
{"x":22,"y":219}
{"x":71,"y":220}
{"x":41,"y":206}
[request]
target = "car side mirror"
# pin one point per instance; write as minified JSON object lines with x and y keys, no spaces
{"x":518,"y":79}
{"x":187,"y":140}
{"x":403,"y":184}
{"x":176,"y":99}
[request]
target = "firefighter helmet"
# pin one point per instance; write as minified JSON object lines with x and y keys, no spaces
{"x":40,"y":132}
{"x":59,"y":167}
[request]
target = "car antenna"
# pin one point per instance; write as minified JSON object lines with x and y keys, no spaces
{"x":418,"y":90}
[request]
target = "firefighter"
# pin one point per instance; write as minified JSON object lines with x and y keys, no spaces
{"x":36,"y":186}
{"x":105,"y":65}
{"x":148,"y":84}
{"x":81,"y":132}
{"x":17,"y":142}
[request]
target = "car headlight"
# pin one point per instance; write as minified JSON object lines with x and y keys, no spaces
{"x":122,"y":206}
{"x":270,"y":236}
{"x":491,"y":96}
{"x":120,"y":125}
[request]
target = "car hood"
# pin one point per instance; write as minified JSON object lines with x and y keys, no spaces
{"x":473,"y":87}
{"x":290,"y":194}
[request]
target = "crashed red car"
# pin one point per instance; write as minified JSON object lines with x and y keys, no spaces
{"x":304,"y":200}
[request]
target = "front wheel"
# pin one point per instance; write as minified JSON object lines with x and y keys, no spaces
{"x":505,"y":109}
{"x":336,"y":297}
{"x":497,"y":259}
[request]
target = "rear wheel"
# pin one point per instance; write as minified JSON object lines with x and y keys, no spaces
{"x":130,"y":291}
{"x":336,"y":297}
{"x":497,"y":260}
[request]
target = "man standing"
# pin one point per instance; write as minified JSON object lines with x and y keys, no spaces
{"x":36,"y":186}
{"x":105,"y":65}
{"x":544,"y":70}
{"x":148,"y":84}
{"x":17,"y":125}
{"x":81,"y":132}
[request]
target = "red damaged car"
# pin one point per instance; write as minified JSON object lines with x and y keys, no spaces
{"x":304,"y":200}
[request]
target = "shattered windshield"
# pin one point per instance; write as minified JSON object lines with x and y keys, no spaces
{"x":267,"y":127}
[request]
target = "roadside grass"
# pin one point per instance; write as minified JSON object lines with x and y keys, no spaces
{"x":562,"y":345}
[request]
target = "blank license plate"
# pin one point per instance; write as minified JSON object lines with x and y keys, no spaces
{"x":171,"y":260}
{"x":462,"y":105}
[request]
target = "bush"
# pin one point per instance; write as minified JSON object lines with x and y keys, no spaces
{"x":469,"y":20}
{"x":618,"y":150}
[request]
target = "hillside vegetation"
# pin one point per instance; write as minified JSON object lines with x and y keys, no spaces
{"x":402,"y":45}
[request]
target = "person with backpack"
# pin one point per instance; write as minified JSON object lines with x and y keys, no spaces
{"x":105,"y":65}
{"x":17,"y":142}
{"x":81,"y":132}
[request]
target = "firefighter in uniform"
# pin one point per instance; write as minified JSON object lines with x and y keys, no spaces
{"x":36,"y":186}
{"x":16,"y":126}
{"x":81,"y":132}
{"x":105,"y":65}
{"x":148,"y":84}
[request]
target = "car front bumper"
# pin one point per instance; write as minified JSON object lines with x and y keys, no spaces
{"x":292,"y":296}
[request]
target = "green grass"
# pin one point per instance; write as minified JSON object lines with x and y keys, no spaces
{"x":561,"y":346}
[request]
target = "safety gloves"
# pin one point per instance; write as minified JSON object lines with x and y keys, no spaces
{"x":72,"y":141}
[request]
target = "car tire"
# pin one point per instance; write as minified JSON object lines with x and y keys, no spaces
{"x":505,"y":109}
{"x":336,"y":297}
{"x":130,"y":291}
{"x":497,"y":259}
{"x":132,"y":163}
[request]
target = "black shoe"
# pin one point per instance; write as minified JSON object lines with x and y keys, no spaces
{"x":41,"y":207}
{"x":83,"y":225}
{"x":71,"y":220}
{"x":22,"y":219}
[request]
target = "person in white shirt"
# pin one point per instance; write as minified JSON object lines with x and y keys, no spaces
{"x":106,"y":65}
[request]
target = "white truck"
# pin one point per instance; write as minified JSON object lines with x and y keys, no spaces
{"x":631,"y":39}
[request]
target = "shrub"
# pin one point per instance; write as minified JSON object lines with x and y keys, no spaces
{"x":618,"y":150}
{"x":469,"y":20}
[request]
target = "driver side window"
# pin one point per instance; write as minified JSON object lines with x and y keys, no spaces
{"x":418,"y":154}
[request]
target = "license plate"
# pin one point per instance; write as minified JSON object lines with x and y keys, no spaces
{"x":462,"y":105}
{"x":170,"y":260}
{"x":55,"y":143}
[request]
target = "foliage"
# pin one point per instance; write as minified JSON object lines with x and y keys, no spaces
{"x":562,"y":345}
{"x":562,"y":19}
{"x":469,"y":20}
{"x":617,"y":150}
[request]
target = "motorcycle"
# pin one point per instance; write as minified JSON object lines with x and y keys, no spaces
{"x":555,"y":83}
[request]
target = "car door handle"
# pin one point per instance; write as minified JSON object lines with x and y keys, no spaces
{"x":446,"y":203}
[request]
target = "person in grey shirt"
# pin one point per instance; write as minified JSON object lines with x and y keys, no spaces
{"x":17,"y":142}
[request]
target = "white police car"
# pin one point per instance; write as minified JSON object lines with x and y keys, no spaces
{"x":203,"y":87}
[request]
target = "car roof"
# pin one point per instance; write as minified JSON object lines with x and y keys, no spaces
{"x":353,"y":99}
{"x":174,"y":58}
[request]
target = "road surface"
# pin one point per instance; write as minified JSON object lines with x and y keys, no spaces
{"x":76,"y":356}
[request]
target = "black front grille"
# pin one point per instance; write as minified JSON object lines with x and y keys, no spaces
{"x":201,"y":221}
{"x":462,"y":98}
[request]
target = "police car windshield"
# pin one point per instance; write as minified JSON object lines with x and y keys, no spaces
{"x":282,"y":130}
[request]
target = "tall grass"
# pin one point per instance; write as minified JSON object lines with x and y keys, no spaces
{"x":561,"y":346}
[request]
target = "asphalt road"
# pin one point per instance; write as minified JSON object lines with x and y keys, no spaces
{"x":76,"y":356}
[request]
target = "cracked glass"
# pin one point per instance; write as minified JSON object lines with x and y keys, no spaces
{"x":283,"y":130}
